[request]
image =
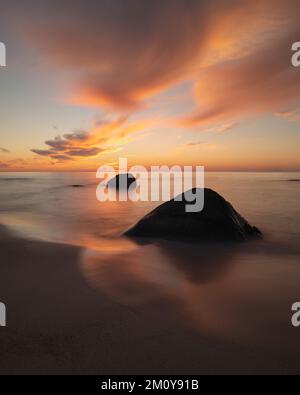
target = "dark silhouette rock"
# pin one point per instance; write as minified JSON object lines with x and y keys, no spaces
{"x":218,"y":221}
{"x":121,"y":181}
{"x":77,"y":186}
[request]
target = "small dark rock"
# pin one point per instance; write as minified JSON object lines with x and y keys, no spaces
{"x":218,"y":221}
{"x":121,"y":181}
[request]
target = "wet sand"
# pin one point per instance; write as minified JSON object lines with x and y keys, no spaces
{"x":59,"y":323}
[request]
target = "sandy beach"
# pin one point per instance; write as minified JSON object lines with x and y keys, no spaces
{"x":58,"y":324}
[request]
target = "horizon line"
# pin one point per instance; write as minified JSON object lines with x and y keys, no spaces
{"x":207,"y":171}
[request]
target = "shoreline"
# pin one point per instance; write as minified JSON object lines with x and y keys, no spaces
{"x":58,"y":324}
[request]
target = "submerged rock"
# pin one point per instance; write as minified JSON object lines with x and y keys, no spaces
{"x":120,"y":181}
{"x":218,"y":221}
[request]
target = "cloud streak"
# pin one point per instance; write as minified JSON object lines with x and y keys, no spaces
{"x":103,"y":138}
{"x":4,"y":165}
{"x":123,"y":52}
{"x":263,"y":81}
{"x":292,"y":116}
{"x":199,"y":144}
{"x":120,"y":53}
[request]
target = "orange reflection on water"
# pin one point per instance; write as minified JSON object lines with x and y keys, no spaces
{"x":217,"y":290}
{"x":168,"y":279}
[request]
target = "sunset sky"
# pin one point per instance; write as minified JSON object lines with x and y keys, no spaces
{"x":160,"y":82}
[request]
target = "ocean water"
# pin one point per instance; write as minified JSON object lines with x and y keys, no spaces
{"x":243,"y":293}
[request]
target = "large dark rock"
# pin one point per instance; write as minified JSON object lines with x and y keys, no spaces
{"x":218,"y":221}
{"x":120,"y":180}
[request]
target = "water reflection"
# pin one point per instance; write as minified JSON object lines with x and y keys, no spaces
{"x":218,"y":290}
{"x":198,"y":264}
{"x":164,"y":277}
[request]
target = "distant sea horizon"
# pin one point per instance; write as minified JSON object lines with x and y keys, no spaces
{"x":207,"y":171}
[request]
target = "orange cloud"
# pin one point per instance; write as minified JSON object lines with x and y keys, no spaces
{"x":104,"y":137}
{"x":125,"y":51}
{"x":20,"y":164}
{"x":199,"y":144}
{"x":293,"y":116}
{"x":4,"y":165}
{"x":262,"y":81}
{"x":122,"y":52}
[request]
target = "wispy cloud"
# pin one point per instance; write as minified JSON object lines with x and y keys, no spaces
{"x":260,"y":82}
{"x":4,"y":150}
{"x":194,"y":144}
{"x":4,"y":165}
{"x":20,"y":163}
{"x":292,"y":116}
{"x":70,"y":145}
{"x":214,"y":129}
{"x":105,"y":137}
{"x":226,"y":127}
{"x":199,"y":144}
{"x":123,"y":52}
